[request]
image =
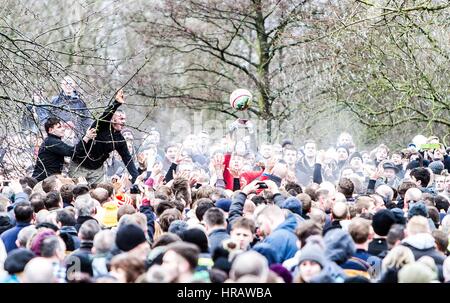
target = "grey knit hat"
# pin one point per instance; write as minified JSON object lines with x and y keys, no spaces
{"x":436,"y":167}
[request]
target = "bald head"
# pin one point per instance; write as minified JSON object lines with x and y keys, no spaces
{"x":385,"y":191}
{"x":340,"y":211}
{"x":318,"y":216}
{"x":340,"y":197}
{"x":413,"y":194}
{"x":39,"y":270}
{"x":250,"y":263}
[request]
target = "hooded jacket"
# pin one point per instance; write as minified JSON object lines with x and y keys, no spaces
{"x":339,"y":246}
{"x":5,"y":223}
{"x":283,"y":239}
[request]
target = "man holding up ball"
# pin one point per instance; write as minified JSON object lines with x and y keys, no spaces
{"x":89,"y":161}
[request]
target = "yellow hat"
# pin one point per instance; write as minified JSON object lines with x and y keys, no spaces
{"x":110,"y":214}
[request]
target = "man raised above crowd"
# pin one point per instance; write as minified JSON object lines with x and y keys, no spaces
{"x":89,"y":161}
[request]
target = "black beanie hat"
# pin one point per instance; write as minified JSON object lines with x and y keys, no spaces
{"x":129,"y":236}
{"x":196,"y":236}
{"x":382,"y":222}
{"x":355,"y":155}
{"x":17,"y":259}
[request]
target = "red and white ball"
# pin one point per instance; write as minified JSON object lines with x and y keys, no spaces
{"x":241,"y":99}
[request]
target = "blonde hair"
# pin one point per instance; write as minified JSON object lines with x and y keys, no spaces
{"x":417,"y":225}
{"x":398,"y":257}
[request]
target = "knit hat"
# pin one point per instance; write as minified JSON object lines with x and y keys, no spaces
{"x":382,"y":222}
{"x":436,"y":167}
{"x":38,"y":239}
{"x":267,"y":251}
{"x":109,"y":218}
{"x":122,"y":199}
{"x":293,"y":204}
{"x":224,"y":204}
{"x":399,"y":216}
{"x":355,"y":155}
{"x":418,"y":209}
{"x":196,"y":236}
{"x":17,"y":259}
{"x":282,"y":272}
{"x":390,"y":165}
{"x":344,"y":147}
{"x":129,"y":236}
{"x":339,"y":245}
{"x":312,"y":252}
{"x":178,"y":227}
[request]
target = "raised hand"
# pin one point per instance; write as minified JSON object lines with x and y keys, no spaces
{"x":119,"y":96}
{"x":90,"y":135}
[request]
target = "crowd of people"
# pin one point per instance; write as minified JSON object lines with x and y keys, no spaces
{"x":99,"y":209}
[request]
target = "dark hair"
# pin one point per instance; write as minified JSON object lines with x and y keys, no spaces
{"x":66,"y":192}
{"x":178,"y":205}
{"x":257,"y":199}
{"x":125,"y":209}
{"x":293,"y":188}
{"x":88,"y":230}
{"x":37,"y":202}
{"x":66,"y":217}
{"x":169,"y":145}
{"x":214,"y":216}
{"x":421,"y":174}
{"x":346,"y":187}
{"x":49,"y":184}
{"x":306,"y":229}
{"x":50,"y":123}
{"x":50,"y":246}
{"x":79,"y":190}
{"x":162,"y":206}
{"x":188,"y":251}
{"x":167,"y":217}
{"x":433,"y":214}
{"x":29,"y":181}
{"x":165,"y":239}
{"x":202,"y":206}
{"x":396,"y":233}
{"x":404,"y":186}
{"x":441,"y":203}
{"x":52,"y":200}
{"x":306,"y":202}
{"x":196,"y":236}
{"x":23,"y":212}
{"x":441,"y":240}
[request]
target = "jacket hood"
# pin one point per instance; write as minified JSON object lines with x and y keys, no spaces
{"x":289,"y":224}
{"x":69,"y":229}
{"x":420,"y":241}
{"x":339,"y":245}
{"x":331,"y":273}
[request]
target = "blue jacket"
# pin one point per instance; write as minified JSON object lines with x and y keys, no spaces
{"x":283,"y":239}
{"x":9,"y":237}
{"x":216,"y":238}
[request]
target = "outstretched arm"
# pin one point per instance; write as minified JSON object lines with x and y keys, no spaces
{"x":104,"y":120}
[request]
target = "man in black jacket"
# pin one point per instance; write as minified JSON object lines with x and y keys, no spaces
{"x":51,"y":154}
{"x":88,"y":162}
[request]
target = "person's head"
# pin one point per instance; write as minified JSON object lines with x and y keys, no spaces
{"x":37,"y":202}
{"x":404,"y":186}
{"x":441,"y":203}
{"x":382,"y":152}
{"x":312,"y":259}
{"x":242,"y":232}
{"x":382,"y":221}
{"x":182,"y":191}
{"x":413,"y":195}
{"x":417,"y":225}
{"x":202,"y":206}
{"x":53,"y":200}
{"x":310,"y":148}
{"x":129,"y":236}
{"x":346,"y":187}
{"x":167,"y":217}
{"x":307,"y":229}
{"x":104,"y":241}
{"x":196,"y":236}
{"x":340,"y":211}
{"x":269,"y":218}
{"x":396,"y":158}
{"x":65,"y":217}
{"x":125,"y":209}
{"x":25,"y":235}
{"x":66,"y":192}
{"x":342,"y":153}
{"x":395,"y":235}
{"x":68,"y":85}
{"x":88,"y":230}
{"x":389,"y":170}
{"x":80,"y":190}
{"x":108,"y":186}
{"x":356,"y":161}
{"x":250,"y":263}
{"x":397,"y":257}
{"x":23,"y":212}
{"x":214,"y":218}
{"x":441,"y":239}
{"x":290,"y":155}
{"x":318,"y":216}
{"x":280,"y":169}
{"x":306,"y":202}
{"x":345,"y":139}
{"x":53,"y":247}
{"x":171,"y":151}
{"x":118,"y":120}
{"x":386,"y":192}
{"x":440,"y":183}
{"x":39,"y":270}
{"x":85,"y":206}
{"x":101,"y":195}
{"x":236,"y":161}
{"x":265,"y":150}
{"x":364,"y":204}
{"x":180,"y":260}
{"x":421,"y":176}
{"x":53,"y":126}
{"x":51,"y":183}
{"x":360,"y":230}
{"x":127,"y":267}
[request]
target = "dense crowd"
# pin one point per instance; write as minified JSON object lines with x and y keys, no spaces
{"x":96,"y":207}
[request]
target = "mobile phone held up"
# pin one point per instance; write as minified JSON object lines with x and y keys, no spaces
{"x":262,"y":185}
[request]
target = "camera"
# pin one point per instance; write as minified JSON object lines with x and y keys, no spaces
{"x":262,"y":185}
